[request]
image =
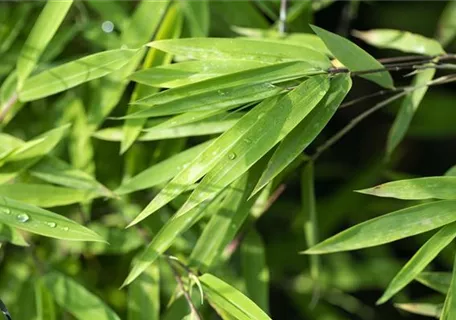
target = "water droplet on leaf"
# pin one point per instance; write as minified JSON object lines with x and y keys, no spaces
{"x":23,"y":217}
{"x":51,"y":224}
{"x":231,"y":156}
{"x":6,"y":210}
{"x":65,"y":228}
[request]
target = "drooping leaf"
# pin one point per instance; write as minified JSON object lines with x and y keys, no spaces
{"x":228,"y":299}
{"x":447,"y":26}
{"x":8,"y":234}
{"x":390,"y":227}
{"x":73,"y":73}
{"x":36,"y":220}
{"x":255,"y":269}
{"x":44,"y":29}
{"x":439,"y":281}
{"x":76,"y":299}
{"x":416,"y":189}
{"x":354,"y":58}
{"x":144,"y":296}
{"x":400,"y":40}
{"x":407,"y":110}
{"x":420,"y":260}
{"x":241,"y":49}
{"x":306,"y":131}
{"x":235,"y":151}
{"x":424,"y":309}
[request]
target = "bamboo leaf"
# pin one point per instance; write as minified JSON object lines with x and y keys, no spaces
{"x":407,"y":110}
{"x":255,"y":270}
{"x":241,"y":49}
{"x":354,"y":58}
{"x":44,"y":29}
{"x":36,"y":220}
{"x":439,"y":281}
{"x":416,"y":189}
{"x":390,"y":227}
{"x":11,"y":235}
{"x":144,"y":296}
{"x":447,"y":26}
{"x":424,"y":309}
{"x":400,"y":40}
{"x":306,"y":131}
{"x":118,"y":240}
{"x":420,"y":260}
{"x":449,"y":307}
{"x":76,"y":299}
{"x":45,"y":306}
{"x":228,"y":299}
{"x":235,"y":151}
{"x":198,"y":17}
{"x":14,"y":24}
{"x":73,"y":73}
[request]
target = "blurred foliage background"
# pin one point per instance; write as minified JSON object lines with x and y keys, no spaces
{"x":350,"y":282}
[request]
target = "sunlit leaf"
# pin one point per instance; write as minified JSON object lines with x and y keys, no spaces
{"x":227,"y":298}
{"x":390,"y":227}
{"x":420,"y":260}
{"x":439,"y":281}
{"x":73,"y":73}
{"x":241,"y":49}
{"x":354,"y":58}
{"x":76,"y":299}
{"x":36,"y":220}
{"x":424,"y":309}
{"x":416,"y":189}
{"x":400,"y":40}
{"x":144,"y":296}
{"x":44,"y":29}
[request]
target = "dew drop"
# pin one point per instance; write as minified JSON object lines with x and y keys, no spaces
{"x":248,"y":141}
{"x":65,"y":228}
{"x":6,"y":210}
{"x":231,"y":156}
{"x":23,"y":217}
{"x":107,"y":26}
{"x":51,"y":224}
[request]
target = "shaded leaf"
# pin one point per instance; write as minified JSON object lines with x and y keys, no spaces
{"x":230,"y":300}
{"x":14,"y":24}
{"x":198,"y":17}
{"x":8,"y":234}
{"x":439,"y":281}
{"x":76,"y":299}
{"x":447,"y":24}
{"x":416,"y":189}
{"x":71,"y":74}
{"x":36,"y":220}
{"x":45,"y":306}
{"x":118,"y":240}
{"x":449,"y":307}
{"x":390,"y":227}
{"x":354,"y":58}
{"x":400,"y":40}
{"x":144,"y":296}
{"x":420,"y":260}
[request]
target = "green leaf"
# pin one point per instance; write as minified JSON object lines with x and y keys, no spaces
{"x":354,"y":58}
{"x":162,"y":171}
{"x":306,"y":131}
{"x":44,"y":29}
{"x":423,"y":309}
{"x":255,"y":270}
{"x":416,"y":189}
{"x":13,"y":25}
{"x":45,"y":306}
{"x":449,"y":308}
{"x":144,"y":296}
{"x":235,"y":151}
{"x":241,"y":49}
{"x":188,"y":72}
{"x":390,"y":227}
{"x":36,"y":220}
{"x":74,"y":73}
{"x":11,"y":235}
{"x":420,"y":260}
{"x":400,"y":40}
{"x":439,"y":281}
{"x":446,"y":30}
{"x":451,"y":172}
{"x":228,"y":299}
{"x":407,"y":110}
{"x":198,"y":17}
{"x":76,"y":299}
{"x":42,"y":195}
{"x":118,"y":240}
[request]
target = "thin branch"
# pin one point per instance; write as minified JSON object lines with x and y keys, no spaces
{"x":180,"y":283}
{"x":283,"y":16}
{"x":7,"y":106}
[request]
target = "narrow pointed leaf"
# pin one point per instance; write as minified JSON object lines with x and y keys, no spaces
{"x":14,"y":24}
{"x":423,"y":309}
{"x":36,"y":220}
{"x":439,"y":281}
{"x":255,"y":270}
{"x":446,"y":31}
{"x":400,"y":40}
{"x":407,"y":110}
{"x":76,"y":299}
{"x":451,"y":172}
{"x":229,"y":299}
{"x":294,"y":144}
{"x":144,"y":296}
{"x":74,"y":73}
{"x":12,"y":235}
{"x":118,"y":240}
{"x":241,"y":49}
{"x":416,"y":189}
{"x":42,"y":32}
{"x":449,"y":307}
{"x":45,"y":306}
{"x":198,"y":17}
{"x":420,"y":260}
{"x":353,"y":57}
{"x":390,"y":227}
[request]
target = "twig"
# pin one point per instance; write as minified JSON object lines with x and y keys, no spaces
{"x":180,"y":283}
{"x":7,"y":106}
{"x":283,"y":16}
